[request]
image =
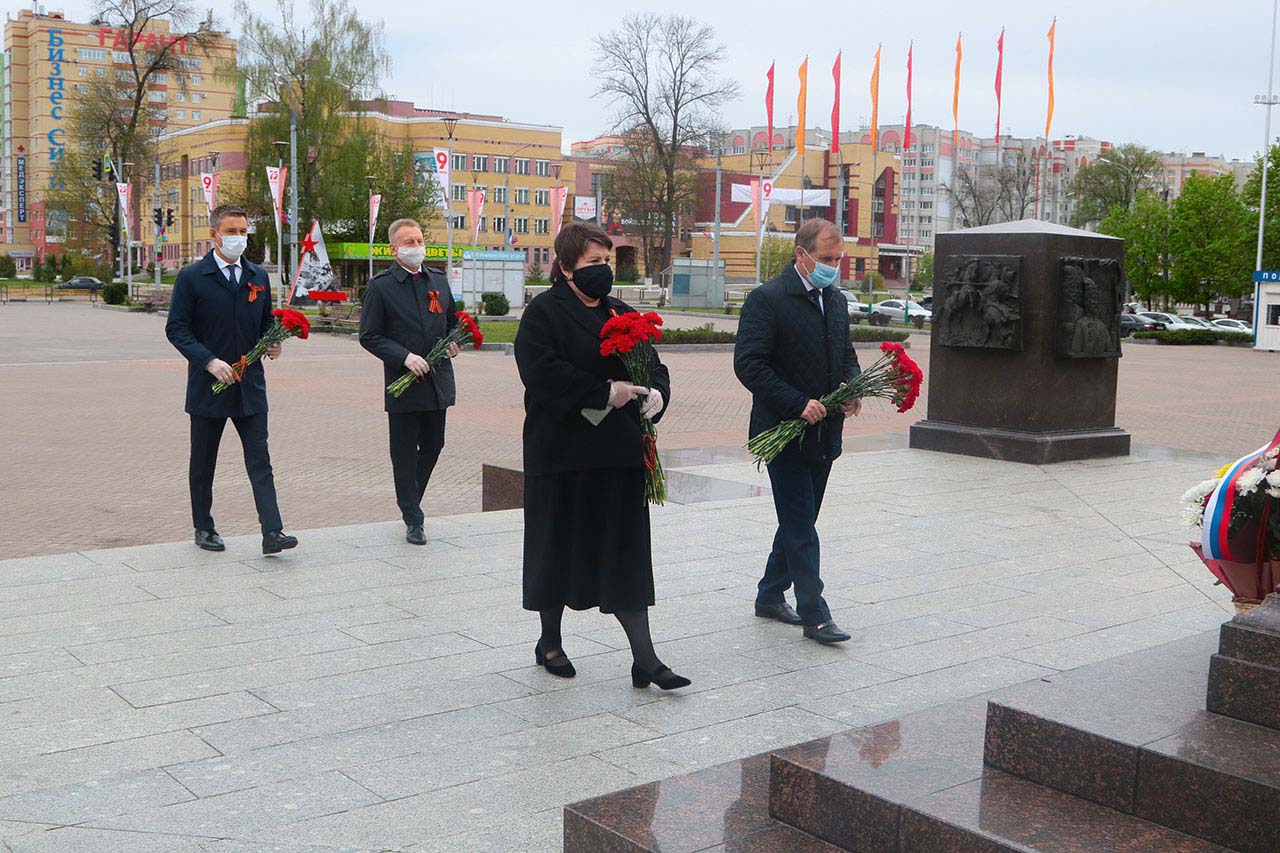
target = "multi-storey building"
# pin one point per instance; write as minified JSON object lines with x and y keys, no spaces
{"x":49,"y":62}
{"x":515,"y":164}
{"x":1179,"y":166}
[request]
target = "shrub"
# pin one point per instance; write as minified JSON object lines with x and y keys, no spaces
{"x":628,"y":272}
{"x":495,"y":304}
{"x":1193,"y":336}
{"x":115,"y":293}
{"x":858,"y":333}
{"x":702,"y":335}
{"x":8,"y":266}
{"x":535,"y":275}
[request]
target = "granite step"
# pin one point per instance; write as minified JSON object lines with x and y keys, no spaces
{"x":1129,"y":739}
{"x":721,"y":808}
{"x":1000,"y":812}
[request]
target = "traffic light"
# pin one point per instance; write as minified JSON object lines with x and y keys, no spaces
{"x":110,"y":173}
{"x":168,"y":217}
{"x":113,"y":237}
{"x":157,"y":216}
{"x":97,"y":168}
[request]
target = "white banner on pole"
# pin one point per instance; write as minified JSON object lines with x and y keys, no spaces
{"x":584,"y":207}
{"x":741,"y":194}
{"x":275,"y":182}
{"x":209,"y":182}
{"x":442,"y":172}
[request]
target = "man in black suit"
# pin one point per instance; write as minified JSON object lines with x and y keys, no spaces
{"x":793,"y":348}
{"x":221,"y":306}
{"x":406,"y":310}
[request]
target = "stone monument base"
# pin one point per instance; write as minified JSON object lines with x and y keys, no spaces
{"x":1033,"y":448}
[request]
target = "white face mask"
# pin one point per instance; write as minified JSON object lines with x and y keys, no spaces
{"x":411,"y":256}
{"x":233,"y":246}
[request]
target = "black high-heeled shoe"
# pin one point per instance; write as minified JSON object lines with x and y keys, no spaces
{"x":662,"y":676}
{"x":559,"y":666}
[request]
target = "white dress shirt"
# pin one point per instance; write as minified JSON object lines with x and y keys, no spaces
{"x":809,"y":287}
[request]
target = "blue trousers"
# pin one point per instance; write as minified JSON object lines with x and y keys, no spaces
{"x":798,"y":487}
{"x":206,"y":435}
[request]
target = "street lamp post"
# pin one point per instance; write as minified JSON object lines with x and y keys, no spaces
{"x":1269,"y":101}
{"x":758,"y":161}
{"x":370,"y":179}
{"x":277,"y":206}
{"x":450,"y":125}
{"x":715,"y":243}
{"x":128,"y":242}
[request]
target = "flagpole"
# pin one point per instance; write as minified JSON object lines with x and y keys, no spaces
{"x":715,"y":244}
{"x":1266,"y":162}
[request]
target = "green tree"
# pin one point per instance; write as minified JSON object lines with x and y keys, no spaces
{"x":774,"y":255}
{"x":923,"y":274}
{"x":1145,"y":230}
{"x":1113,"y":179}
{"x":322,"y":67}
{"x":1252,"y":193}
{"x":1209,"y":241}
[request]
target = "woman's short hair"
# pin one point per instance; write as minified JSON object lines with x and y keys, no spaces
{"x":572,"y":243}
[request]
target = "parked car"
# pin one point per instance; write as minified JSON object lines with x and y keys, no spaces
{"x":897,"y":309}
{"x":1130,"y":323}
{"x":1197,"y":321}
{"x":1233,"y":325}
{"x":1171,"y":321}
{"x":927,"y":302}
{"x":83,"y":282}
{"x":858,"y":310}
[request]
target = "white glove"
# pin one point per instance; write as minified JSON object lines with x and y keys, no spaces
{"x":652,"y":405}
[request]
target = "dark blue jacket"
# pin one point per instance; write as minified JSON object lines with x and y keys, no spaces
{"x":788,"y":352}
{"x":207,"y":320}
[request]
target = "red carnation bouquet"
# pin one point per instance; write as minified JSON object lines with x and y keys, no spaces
{"x":466,"y":332}
{"x":629,"y":336}
{"x":288,"y":324}
{"x":894,"y":377}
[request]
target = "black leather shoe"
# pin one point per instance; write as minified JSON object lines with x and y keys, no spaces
{"x":782,"y":612}
{"x":276,"y":541}
{"x":416,"y":535}
{"x":827,"y":632}
{"x":209,"y":540}
{"x":558,"y":664}
{"x":663,"y":677}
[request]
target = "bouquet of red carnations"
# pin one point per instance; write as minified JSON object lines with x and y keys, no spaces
{"x":466,"y":332}
{"x":629,"y":337}
{"x":894,"y":377}
{"x":288,"y":324}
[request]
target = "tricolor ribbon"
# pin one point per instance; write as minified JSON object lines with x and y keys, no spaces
{"x":434,"y":307}
{"x":1217,"y":511}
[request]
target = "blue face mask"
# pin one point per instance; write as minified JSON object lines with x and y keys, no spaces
{"x":823,"y":275}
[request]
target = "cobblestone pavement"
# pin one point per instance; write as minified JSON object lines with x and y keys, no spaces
{"x":95,"y":440}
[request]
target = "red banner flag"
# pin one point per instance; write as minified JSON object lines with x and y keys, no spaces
{"x":875,"y":100}
{"x":1048,"y":120}
{"x":802,"y":101}
{"x":955,"y":103}
{"x":768,"y":105}
{"x":835,"y":108}
{"x":906,"y":136}
{"x":999,"y":75}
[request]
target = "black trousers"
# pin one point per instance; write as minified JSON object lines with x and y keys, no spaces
{"x":798,"y":488}
{"x":206,"y":435}
{"x":416,"y":441}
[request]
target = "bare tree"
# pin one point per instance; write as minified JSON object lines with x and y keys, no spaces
{"x":114,"y":116}
{"x":976,"y":197}
{"x":662,"y":73}
{"x":1003,"y":193}
{"x":1017,"y":187}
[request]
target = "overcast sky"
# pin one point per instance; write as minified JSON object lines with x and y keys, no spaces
{"x":1170,"y":74}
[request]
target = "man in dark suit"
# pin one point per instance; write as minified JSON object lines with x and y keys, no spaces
{"x":406,"y":310}
{"x":221,"y":306}
{"x":793,"y":348}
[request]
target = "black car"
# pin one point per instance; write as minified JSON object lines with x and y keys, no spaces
{"x":83,"y":282}
{"x":1130,"y":323}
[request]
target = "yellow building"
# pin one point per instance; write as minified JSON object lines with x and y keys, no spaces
{"x":48,"y":62}
{"x":854,"y":191}
{"x":517,"y":165}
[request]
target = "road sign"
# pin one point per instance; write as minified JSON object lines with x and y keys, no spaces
{"x":1260,"y":276}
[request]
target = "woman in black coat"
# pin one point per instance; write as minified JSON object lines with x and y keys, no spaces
{"x":586,"y":539}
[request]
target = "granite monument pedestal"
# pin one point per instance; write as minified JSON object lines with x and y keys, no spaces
{"x":1025,"y":344}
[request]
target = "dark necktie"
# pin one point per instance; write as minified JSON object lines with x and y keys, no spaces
{"x":231,"y":276}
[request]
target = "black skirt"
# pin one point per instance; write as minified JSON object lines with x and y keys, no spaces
{"x":586,"y":541}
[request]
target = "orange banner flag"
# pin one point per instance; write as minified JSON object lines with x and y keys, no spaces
{"x":1048,"y":119}
{"x":835,"y":108}
{"x":875,"y":100}
{"x":801,"y":102}
{"x":955,"y":102}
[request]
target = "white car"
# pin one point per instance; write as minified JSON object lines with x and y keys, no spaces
{"x":1172,"y":321}
{"x":1233,"y":325}
{"x":898,"y":311}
